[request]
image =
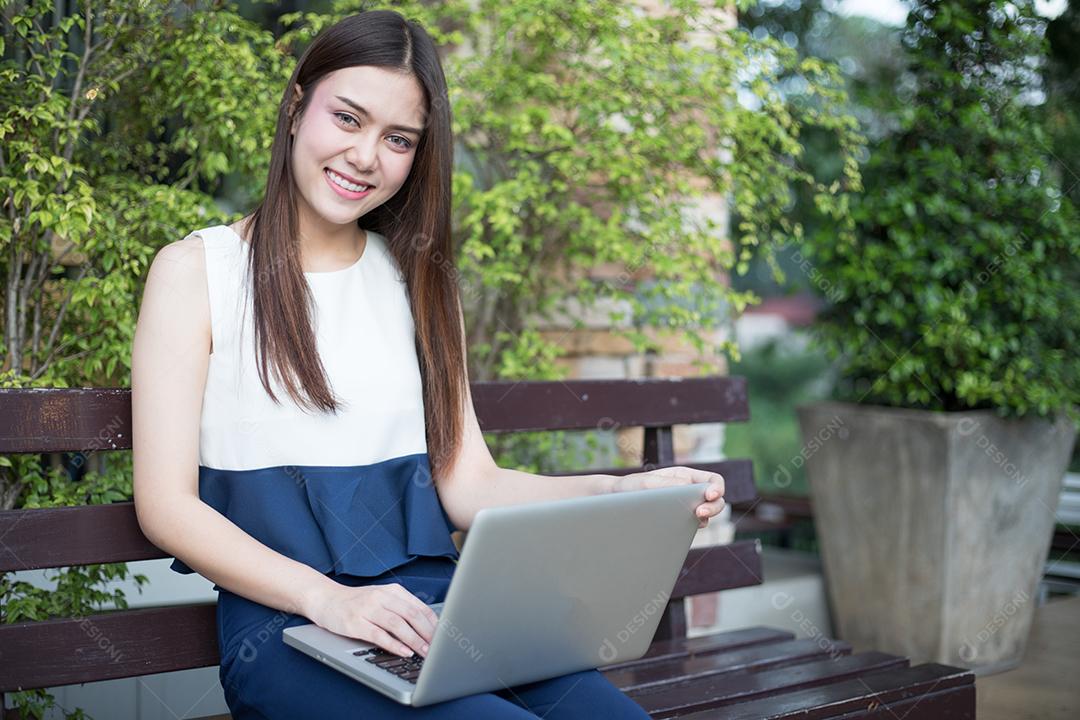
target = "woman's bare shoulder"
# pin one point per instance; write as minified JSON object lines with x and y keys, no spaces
{"x":180,"y":264}
{"x":176,"y":288}
{"x":181,"y":261}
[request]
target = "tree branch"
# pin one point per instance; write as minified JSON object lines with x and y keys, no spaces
{"x":24,"y":297}
{"x":46,"y":46}
{"x":10,"y":490}
{"x":63,"y":309}
{"x":11,"y":331}
{"x":76,"y":88}
{"x":49,"y":360}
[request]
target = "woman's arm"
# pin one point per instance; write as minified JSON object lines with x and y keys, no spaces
{"x":170,"y":358}
{"x":473,"y":481}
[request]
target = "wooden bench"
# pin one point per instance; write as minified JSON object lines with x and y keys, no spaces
{"x":755,"y":672}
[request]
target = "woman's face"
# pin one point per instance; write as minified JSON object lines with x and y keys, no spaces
{"x":363,"y":123}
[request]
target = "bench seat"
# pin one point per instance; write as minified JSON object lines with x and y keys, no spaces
{"x":762,"y":673}
{"x":767,"y":673}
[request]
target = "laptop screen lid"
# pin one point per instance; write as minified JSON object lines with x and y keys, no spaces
{"x":553,"y":587}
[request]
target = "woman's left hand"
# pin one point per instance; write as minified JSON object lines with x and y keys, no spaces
{"x":679,"y":475}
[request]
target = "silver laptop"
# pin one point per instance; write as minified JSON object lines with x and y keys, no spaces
{"x":540,"y":590}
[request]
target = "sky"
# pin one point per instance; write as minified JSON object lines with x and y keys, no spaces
{"x":893,"y":12}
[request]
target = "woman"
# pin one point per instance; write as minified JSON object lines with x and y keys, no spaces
{"x":304,"y":434}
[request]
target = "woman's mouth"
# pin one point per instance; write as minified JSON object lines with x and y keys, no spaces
{"x":345,"y":188}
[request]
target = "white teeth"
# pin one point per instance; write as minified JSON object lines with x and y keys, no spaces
{"x":338,"y":180}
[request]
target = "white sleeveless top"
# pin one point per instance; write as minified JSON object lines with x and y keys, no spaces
{"x":349,"y":492}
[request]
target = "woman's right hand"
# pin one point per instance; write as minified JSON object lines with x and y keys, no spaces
{"x":387,"y":615}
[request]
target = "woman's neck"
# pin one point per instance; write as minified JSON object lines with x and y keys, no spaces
{"x":320,"y":250}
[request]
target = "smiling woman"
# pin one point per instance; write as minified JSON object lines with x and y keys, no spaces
{"x":303,"y":432}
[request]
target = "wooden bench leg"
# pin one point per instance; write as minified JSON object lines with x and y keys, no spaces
{"x":672,"y":622}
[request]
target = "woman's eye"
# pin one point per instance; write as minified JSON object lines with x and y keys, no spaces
{"x":346,"y":116}
{"x":347,"y":119}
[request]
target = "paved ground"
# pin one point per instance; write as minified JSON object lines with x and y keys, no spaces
{"x":1046,"y":685}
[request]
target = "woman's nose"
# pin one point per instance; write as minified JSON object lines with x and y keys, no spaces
{"x":363,"y":154}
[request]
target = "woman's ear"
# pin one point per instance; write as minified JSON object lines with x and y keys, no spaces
{"x":298,"y":93}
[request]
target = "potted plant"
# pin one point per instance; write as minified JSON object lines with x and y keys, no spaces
{"x":955,"y":321}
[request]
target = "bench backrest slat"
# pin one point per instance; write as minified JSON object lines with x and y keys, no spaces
{"x":91,"y":419}
{"x":65,"y":419}
{"x":107,"y":646}
{"x":59,"y":537}
{"x":719,"y":567}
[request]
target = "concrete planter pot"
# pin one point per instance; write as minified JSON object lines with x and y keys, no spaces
{"x":934,"y":527}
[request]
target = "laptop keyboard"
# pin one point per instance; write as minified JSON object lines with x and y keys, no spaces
{"x":407,"y":669}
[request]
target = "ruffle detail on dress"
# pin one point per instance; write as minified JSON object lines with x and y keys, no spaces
{"x":361,"y":520}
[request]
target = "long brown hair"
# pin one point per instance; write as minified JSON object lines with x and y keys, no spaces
{"x":415,"y":222}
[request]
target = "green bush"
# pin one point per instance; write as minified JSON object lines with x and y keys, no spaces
{"x":959,"y":289}
{"x":118,"y":121}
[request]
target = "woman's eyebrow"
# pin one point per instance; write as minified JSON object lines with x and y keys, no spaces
{"x":365,"y":113}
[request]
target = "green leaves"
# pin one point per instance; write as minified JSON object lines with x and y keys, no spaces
{"x":963,"y":287}
{"x":90,"y":192}
{"x":82,"y":181}
{"x":578,"y":124}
